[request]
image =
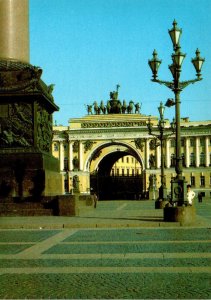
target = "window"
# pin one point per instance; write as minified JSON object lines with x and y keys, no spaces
{"x":128,"y":172}
{"x":133,"y":172}
{"x":182,"y":142}
{"x":127,"y":160}
{"x":202,"y":159}
{"x":112,"y":172}
{"x":192,"y":142}
{"x":192,"y":159}
{"x":192,"y":180}
{"x":173,"y":143}
{"x":123,"y":172}
{"x":122,"y":159}
{"x":202,"y":180}
{"x":132,"y":160}
{"x":202,"y":142}
{"x":117,"y":172}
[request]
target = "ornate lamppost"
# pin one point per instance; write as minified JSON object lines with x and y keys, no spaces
{"x":178,"y":184}
{"x":162,"y":200}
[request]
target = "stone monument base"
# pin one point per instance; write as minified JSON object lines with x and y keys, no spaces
{"x":29,"y":174}
{"x":186,"y":215}
{"x":60,"y":205}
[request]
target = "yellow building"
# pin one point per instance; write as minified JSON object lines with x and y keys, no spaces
{"x":115,"y":155}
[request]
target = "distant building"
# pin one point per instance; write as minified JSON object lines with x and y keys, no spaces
{"x":99,"y":147}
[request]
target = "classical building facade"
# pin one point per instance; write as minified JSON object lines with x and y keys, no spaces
{"x":91,"y":149}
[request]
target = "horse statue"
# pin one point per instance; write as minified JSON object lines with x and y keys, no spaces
{"x":102,"y":107}
{"x":130,"y":107}
{"x":89,"y":109}
{"x":137,"y":108}
{"x":108,"y":106}
{"x":124,"y":107}
{"x":119,"y":107}
{"x":96,"y":108}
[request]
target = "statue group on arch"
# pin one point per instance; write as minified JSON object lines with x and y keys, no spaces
{"x":113,"y":106}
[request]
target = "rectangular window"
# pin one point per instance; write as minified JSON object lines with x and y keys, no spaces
{"x":123,"y":172}
{"x":202,"y":142}
{"x":192,"y":180}
{"x":202,"y":181}
{"x":128,"y":172}
{"x":127,"y":159}
{"x":192,"y":142}
{"x":173,"y":143}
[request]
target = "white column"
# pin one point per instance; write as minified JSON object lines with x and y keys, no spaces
{"x":207,"y":154}
{"x":168,"y":163}
{"x":187,"y":152}
{"x":197,"y":152}
{"x":61,"y":155}
{"x":70,"y":156}
{"x":80,"y":156}
{"x":147,"y":154}
{"x":158,"y":157}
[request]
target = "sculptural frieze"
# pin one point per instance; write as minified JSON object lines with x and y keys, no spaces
{"x":16,"y":76}
{"x":22,"y":77}
{"x":113,"y":124}
{"x":88,"y":145}
{"x":17,"y":127}
{"x":44,"y":129}
{"x":139,"y":143}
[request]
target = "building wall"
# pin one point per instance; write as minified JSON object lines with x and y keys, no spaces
{"x":77,"y":147}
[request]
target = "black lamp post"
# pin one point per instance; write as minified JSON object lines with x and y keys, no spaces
{"x":161,"y":137}
{"x":178,"y":187}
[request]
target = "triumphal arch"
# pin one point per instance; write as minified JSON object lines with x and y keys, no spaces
{"x":110,"y":151}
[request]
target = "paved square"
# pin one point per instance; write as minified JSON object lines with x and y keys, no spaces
{"x":135,"y":262}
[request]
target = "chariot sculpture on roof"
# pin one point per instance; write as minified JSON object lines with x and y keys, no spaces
{"x":114,"y":105}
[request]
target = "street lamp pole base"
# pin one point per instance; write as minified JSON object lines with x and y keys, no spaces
{"x":160,"y":204}
{"x":186,"y":215}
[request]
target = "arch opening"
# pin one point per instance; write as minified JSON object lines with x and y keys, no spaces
{"x":118,"y":175}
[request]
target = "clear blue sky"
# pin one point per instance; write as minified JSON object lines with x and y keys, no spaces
{"x":86,"y":47}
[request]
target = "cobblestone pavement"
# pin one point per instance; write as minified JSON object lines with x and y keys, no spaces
{"x":153,"y":261}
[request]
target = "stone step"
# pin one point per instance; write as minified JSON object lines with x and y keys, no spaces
{"x":25,"y":205}
{"x":26,"y":212}
{"x":24,"y":209}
